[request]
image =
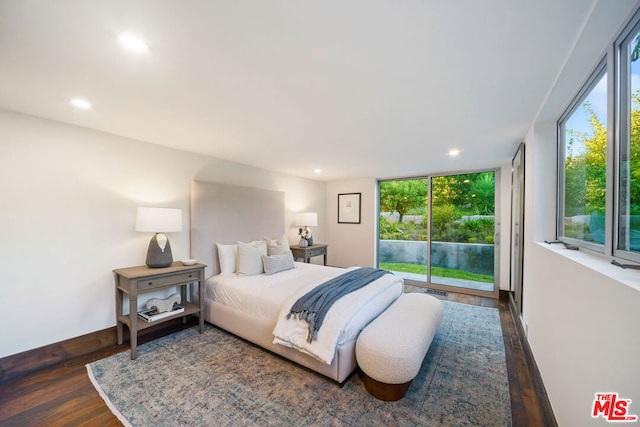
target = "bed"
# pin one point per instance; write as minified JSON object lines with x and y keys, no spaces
{"x":252,"y":306}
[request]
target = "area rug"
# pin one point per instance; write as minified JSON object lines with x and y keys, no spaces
{"x":216,"y":379}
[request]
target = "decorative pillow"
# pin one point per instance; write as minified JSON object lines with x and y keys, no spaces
{"x":277,"y":246}
{"x":227,"y":255}
{"x":250,"y":257}
{"x":277,"y":263}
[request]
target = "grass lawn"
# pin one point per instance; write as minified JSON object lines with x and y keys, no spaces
{"x":436,"y":271}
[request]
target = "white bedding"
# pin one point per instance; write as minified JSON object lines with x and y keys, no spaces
{"x":270,"y":297}
{"x":344,"y":321}
{"x":263,"y":295}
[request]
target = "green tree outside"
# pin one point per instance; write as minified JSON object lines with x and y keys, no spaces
{"x":403,"y":196}
{"x":453,"y":196}
{"x":585,"y":173}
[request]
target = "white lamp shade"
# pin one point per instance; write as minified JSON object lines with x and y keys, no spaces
{"x":307,"y":219}
{"x":159,"y":220}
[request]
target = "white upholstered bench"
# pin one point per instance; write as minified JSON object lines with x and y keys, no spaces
{"x":390,"y":350}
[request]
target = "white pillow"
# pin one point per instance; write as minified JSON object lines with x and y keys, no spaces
{"x":227,"y":255}
{"x":250,"y":257}
{"x":277,"y":246}
{"x":277,"y":263}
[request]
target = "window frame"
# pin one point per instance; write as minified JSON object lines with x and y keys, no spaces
{"x":585,"y":90}
{"x":614,"y":62}
{"x":622,"y":107}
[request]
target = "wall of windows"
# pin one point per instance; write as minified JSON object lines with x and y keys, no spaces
{"x":627,"y":243}
{"x":599,"y":155}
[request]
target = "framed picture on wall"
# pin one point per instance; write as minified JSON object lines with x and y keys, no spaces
{"x":349,"y":208}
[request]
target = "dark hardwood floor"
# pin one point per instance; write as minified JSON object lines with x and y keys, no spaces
{"x":63,"y":394}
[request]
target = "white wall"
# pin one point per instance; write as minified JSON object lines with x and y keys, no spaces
{"x":581,"y":312}
{"x":503,"y":226}
{"x":352,"y":244}
{"x":69,"y":199}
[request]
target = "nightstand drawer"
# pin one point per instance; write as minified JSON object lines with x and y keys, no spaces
{"x":316,"y":252}
{"x":308,"y":252}
{"x":159,"y":282}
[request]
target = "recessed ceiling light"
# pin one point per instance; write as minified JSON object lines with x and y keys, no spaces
{"x":454,"y":152}
{"x":80,"y":103}
{"x":133,"y":43}
{"x":317,"y":171}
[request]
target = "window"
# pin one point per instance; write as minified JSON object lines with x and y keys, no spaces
{"x":628,"y":203}
{"x":583,"y":133}
{"x":599,"y":155}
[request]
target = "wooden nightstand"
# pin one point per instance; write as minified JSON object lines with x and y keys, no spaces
{"x":309,"y":252}
{"x":137,"y":280}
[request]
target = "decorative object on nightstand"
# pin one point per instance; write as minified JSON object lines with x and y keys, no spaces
{"x":159,"y":221}
{"x":306,"y":220}
{"x":163,"y":305}
{"x":152,"y":314}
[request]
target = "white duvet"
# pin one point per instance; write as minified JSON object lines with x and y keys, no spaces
{"x":261,"y":295}
{"x":344,"y":321}
{"x":271,"y":298}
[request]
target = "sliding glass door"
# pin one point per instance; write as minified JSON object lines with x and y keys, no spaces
{"x":404,"y":230}
{"x":463,"y":231}
{"x":439,"y":231}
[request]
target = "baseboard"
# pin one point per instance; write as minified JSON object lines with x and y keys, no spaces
{"x":546,"y":410}
{"x":19,"y":364}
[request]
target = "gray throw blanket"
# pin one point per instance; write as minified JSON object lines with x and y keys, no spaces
{"x":313,"y":306}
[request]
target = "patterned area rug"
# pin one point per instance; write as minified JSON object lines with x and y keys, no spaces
{"x":216,"y":379}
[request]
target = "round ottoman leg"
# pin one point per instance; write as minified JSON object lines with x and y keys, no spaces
{"x":384,"y":391}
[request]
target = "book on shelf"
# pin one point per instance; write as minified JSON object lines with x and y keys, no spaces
{"x":152,"y":314}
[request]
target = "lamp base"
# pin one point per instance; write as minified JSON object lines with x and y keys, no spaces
{"x":158,"y":257}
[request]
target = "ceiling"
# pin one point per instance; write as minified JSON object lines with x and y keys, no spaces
{"x":358,"y":88}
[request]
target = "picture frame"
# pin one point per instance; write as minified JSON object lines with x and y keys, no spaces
{"x":349,"y":208}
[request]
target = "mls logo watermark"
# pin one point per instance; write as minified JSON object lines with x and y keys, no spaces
{"x":612,"y":408}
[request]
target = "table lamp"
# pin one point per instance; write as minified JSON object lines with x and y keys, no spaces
{"x":159,"y":221}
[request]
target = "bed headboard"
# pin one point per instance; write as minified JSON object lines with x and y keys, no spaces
{"x":223,"y":213}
